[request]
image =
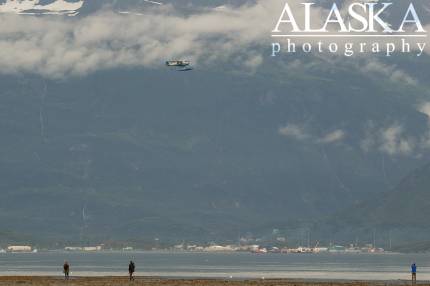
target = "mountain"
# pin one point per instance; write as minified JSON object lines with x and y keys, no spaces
{"x":85,"y":7}
{"x":401,"y":213}
{"x":408,"y":204}
{"x":36,"y":7}
{"x":224,"y":150}
{"x":122,"y":155}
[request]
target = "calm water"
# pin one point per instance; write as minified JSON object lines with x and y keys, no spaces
{"x":220,"y":265}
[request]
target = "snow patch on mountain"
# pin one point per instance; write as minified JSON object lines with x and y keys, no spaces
{"x":58,"y":7}
{"x":153,"y":2}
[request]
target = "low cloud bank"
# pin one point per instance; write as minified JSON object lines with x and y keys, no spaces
{"x":58,"y":46}
{"x":62,"y":46}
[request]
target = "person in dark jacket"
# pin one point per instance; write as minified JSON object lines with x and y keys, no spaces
{"x":66,"y":270}
{"x":131,"y":269}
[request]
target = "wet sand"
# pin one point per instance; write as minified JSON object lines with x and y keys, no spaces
{"x":117,"y":281}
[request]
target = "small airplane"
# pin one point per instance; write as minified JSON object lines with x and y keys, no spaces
{"x":182,"y":65}
{"x":178,"y":63}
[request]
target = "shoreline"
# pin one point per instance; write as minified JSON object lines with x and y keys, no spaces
{"x":157,"y":281}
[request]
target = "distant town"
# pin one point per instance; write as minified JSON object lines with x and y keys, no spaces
{"x":274,"y":241}
{"x":251,"y":248}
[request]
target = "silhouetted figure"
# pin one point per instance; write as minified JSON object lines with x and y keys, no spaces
{"x":414,"y":273}
{"x":66,"y":270}
{"x":131,"y":269}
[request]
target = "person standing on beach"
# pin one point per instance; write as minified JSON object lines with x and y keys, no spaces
{"x":66,"y":270}
{"x":414,"y":273}
{"x":131,"y":269}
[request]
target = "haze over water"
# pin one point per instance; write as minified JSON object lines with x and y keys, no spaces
{"x":221,"y":265}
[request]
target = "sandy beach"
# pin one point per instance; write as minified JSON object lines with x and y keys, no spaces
{"x":114,"y":281}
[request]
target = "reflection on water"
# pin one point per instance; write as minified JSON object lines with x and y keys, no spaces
{"x":220,"y":265}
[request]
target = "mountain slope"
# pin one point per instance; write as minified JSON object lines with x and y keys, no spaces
{"x":405,"y":206}
{"x":399,"y":215}
{"x":122,"y":155}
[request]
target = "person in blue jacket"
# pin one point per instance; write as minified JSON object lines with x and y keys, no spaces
{"x":414,"y":273}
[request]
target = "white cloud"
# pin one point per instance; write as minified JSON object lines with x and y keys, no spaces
{"x":391,"y":72}
{"x":393,"y":141}
{"x":300,"y":133}
{"x":55,"y":47}
{"x":294,"y":131}
{"x":333,"y":137}
{"x":253,"y":62}
{"x":425,"y":109}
